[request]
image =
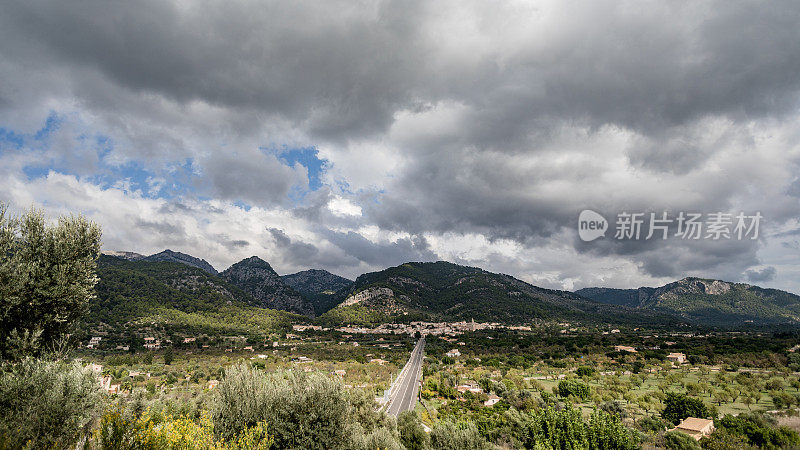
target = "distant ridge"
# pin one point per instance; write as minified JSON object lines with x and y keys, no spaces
{"x":183,"y":258}
{"x":708,"y":302}
{"x":318,"y":286}
{"x":443,"y":291}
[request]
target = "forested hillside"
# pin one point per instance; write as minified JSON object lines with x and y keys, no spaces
{"x":708,"y":302}
{"x":171,"y":295}
{"x":446,"y":291}
{"x":318,"y":286}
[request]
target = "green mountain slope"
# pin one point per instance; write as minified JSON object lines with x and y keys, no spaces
{"x":318,"y":286}
{"x":175,"y":296}
{"x":256,"y":277}
{"x":709,"y":302}
{"x":446,"y":291}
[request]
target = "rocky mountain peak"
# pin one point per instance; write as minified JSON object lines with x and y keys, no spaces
{"x":183,"y":258}
{"x":256,"y":277}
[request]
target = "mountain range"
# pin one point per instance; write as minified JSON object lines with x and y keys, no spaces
{"x":706,"y":301}
{"x":442,"y":291}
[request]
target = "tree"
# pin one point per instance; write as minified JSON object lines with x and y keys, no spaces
{"x":412,"y":434}
{"x":679,"y":406}
{"x":47,"y":277}
{"x":168,"y":356}
{"x":573,"y":387}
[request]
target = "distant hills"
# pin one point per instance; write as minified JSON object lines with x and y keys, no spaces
{"x":169,"y":255}
{"x":134,"y":286}
{"x":446,"y":291}
{"x":320,"y":287}
{"x":707,"y":302}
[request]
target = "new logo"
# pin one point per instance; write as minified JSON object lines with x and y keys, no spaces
{"x":591,"y":225}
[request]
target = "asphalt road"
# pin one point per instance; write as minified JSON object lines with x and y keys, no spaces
{"x":403,"y":396}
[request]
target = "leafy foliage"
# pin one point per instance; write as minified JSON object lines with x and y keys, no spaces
{"x":303,"y":410}
{"x":47,"y":276}
{"x":567,"y":388}
{"x":176,"y":296}
{"x":680,"y":406}
{"x":759,"y":430}
{"x":46,"y":404}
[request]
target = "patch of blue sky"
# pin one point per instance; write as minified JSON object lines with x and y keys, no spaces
{"x":51,"y":124}
{"x":307,"y":157}
{"x":11,"y":139}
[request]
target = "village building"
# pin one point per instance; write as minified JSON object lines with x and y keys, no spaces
{"x":492,"y":400}
{"x":696,"y":428}
{"x":624,"y":348}
{"x":453,"y":353}
{"x":677,"y":358}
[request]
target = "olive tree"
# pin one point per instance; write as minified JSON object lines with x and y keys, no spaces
{"x":47,"y":277}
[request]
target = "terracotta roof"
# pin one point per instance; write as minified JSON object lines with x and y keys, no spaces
{"x":694,"y":424}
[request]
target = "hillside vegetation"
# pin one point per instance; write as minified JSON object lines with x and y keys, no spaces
{"x":705,"y":301}
{"x":446,"y":291}
{"x":175,"y":296}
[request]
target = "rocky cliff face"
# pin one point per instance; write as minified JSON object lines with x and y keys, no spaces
{"x":183,"y":258}
{"x":368,"y":297}
{"x":256,"y":277}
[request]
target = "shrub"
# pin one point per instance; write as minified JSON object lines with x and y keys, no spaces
{"x":303,"y":410}
{"x":46,"y":404}
{"x":412,"y":434}
{"x":675,"y":440}
{"x":577,"y":388}
{"x":652,"y":424}
{"x":760,"y":430}
{"x":585,"y":371}
{"x":447,"y":435}
{"x":550,"y":428}
{"x":117,"y":431}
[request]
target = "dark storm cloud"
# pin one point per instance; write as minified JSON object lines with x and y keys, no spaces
{"x":382,"y":254}
{"x":514,"y":83}
{"x":760,"y":276}
{"x":303,"y":254}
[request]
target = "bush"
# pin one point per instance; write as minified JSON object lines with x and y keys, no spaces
{"x":652,"y":424}
{"x":550,"y":428}
{"x":675,"y":440}
{"x":149,"y":432}
{"x":46,"y":404}
{"x":412,"y":434}
{"x":303,"y":410}
{"x":585,"y":371}
{"x":447,"y":435}
{"x":759,"y":430}
{"x":577,"y":388}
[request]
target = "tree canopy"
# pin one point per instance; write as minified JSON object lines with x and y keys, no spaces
{"x":47,"y":277}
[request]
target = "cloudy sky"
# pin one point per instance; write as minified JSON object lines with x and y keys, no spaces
{"x":352,"y":136}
